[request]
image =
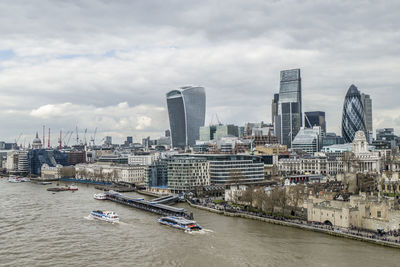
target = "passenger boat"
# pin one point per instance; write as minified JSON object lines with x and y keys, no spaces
{"x":72,"y":188}
{"x":14,"y":179}
{"x":108,"y":216}
{"x":99,"y":196}
{"x":180,"y":223}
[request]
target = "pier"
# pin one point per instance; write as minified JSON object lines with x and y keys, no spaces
{"x":155,"y":206}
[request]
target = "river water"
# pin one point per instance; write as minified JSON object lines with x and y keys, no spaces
{"x":41,"y":228}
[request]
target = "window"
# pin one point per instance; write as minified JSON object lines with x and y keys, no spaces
{"x":379,"y":214}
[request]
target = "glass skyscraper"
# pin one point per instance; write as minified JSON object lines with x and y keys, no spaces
{"x":353,"y":117}
{"x":315,"y":118}
{"x":289,"y":118}
{"x":187,"y":112}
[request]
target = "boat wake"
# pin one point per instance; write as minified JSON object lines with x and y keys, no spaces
{"x":200,"y":232}
{"x":89,"y":218}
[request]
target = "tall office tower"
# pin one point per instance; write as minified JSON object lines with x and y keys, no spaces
{"x":315,"y":118}
{"x":353,"y":118}
{"x":187,"y":113}
{"x":289,"y":118}
{"x":367,"y":103}
{"x":274,"y":107}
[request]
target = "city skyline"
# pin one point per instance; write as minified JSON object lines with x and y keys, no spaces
{"x":106,"y":78}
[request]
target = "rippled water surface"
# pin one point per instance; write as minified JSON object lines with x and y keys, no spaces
{"x":41,"y":228}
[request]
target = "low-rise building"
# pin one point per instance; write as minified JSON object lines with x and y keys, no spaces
{"x":111,"y":173}
{"x":51,"y":173}
{"x":362,"y":211}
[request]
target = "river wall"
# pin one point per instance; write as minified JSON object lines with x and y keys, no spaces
{"x":301,"y":226}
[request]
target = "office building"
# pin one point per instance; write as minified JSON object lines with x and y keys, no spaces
{"x":315,"y":118}
{"x":308,"y":140}
{"x":274,"y":107}
{"x":289,"y":118}
{"x":108,"y":141}
{"x":187,"y":111}
{"x":353,"y":118}
{"x":228,"y":169}
{"x":157,"y":174}
{"x":207,"y":132}
{"x":331,"y":139}
{"x":129,"y":140}
{"x":186,"y":173}
{"x":367,"y":103}
{"x":226,"y":131}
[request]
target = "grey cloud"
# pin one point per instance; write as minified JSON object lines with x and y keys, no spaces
{"x":102,"y":53}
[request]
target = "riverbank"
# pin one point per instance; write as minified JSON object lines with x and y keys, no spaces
{"x":300,"y":226}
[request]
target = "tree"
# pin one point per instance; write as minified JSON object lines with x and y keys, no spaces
{"x":296,"y":195}
{"x":247,"y":195}
{"x":68,"y":172}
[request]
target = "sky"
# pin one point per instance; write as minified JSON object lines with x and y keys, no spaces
{"x":108,"y":64}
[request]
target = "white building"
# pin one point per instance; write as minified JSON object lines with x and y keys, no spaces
{"x":367,"y":161}
{"x":111,"y":173}
{"x":141,"y":159}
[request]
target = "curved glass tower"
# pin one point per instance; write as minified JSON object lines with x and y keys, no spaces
{"x":353,"y":118}
{"x":187,"y":113}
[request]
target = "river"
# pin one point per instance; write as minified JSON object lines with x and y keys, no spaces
{"x":41,"y":228}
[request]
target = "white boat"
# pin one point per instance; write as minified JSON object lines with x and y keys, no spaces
{"x":99,"y":196}
{"x":73,"y":188}
{"x":108,"y":216}
{"x":14,"y":179}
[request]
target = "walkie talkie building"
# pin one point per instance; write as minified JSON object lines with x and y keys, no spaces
{"x":353,"y":118}
{"x":187,"y":112}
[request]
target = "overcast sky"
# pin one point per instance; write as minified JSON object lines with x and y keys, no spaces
{"x":108,"y":64}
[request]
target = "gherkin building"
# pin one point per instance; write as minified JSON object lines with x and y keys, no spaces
{"x":353,"y":119}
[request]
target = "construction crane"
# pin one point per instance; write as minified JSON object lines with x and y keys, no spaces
{"x":19,"y":137}
{"x":93,"y":138}
{"x":65,"y":138}
{"x":84,"y":138}
{"x":69,"y":138}
{"x":77,"y":135}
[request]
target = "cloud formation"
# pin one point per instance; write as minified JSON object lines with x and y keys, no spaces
{"x":108,"y":64}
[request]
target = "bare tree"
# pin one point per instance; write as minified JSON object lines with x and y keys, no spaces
{"x":296,"y":196}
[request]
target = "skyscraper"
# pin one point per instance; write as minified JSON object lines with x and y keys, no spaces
{"x":187,"y":112}
{"x":367,"y":103}
{"x":353,"y":118}
{"x":315,"y":118}
{"x":274,"y":107}
{"x":289,"y":119}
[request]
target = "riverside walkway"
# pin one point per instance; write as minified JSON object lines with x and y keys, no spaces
{"x":384,"y":240}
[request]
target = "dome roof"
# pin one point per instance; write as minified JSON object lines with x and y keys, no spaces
{"x":36,"y":140}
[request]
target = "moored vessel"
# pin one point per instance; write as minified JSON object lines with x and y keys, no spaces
{"x":100,"y":196}
{"x":14,"y":179}
{"x":57,"y":189}
{"x":108,"y":216}
{"x":180,"y":223}
{"x":72,"y":188}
